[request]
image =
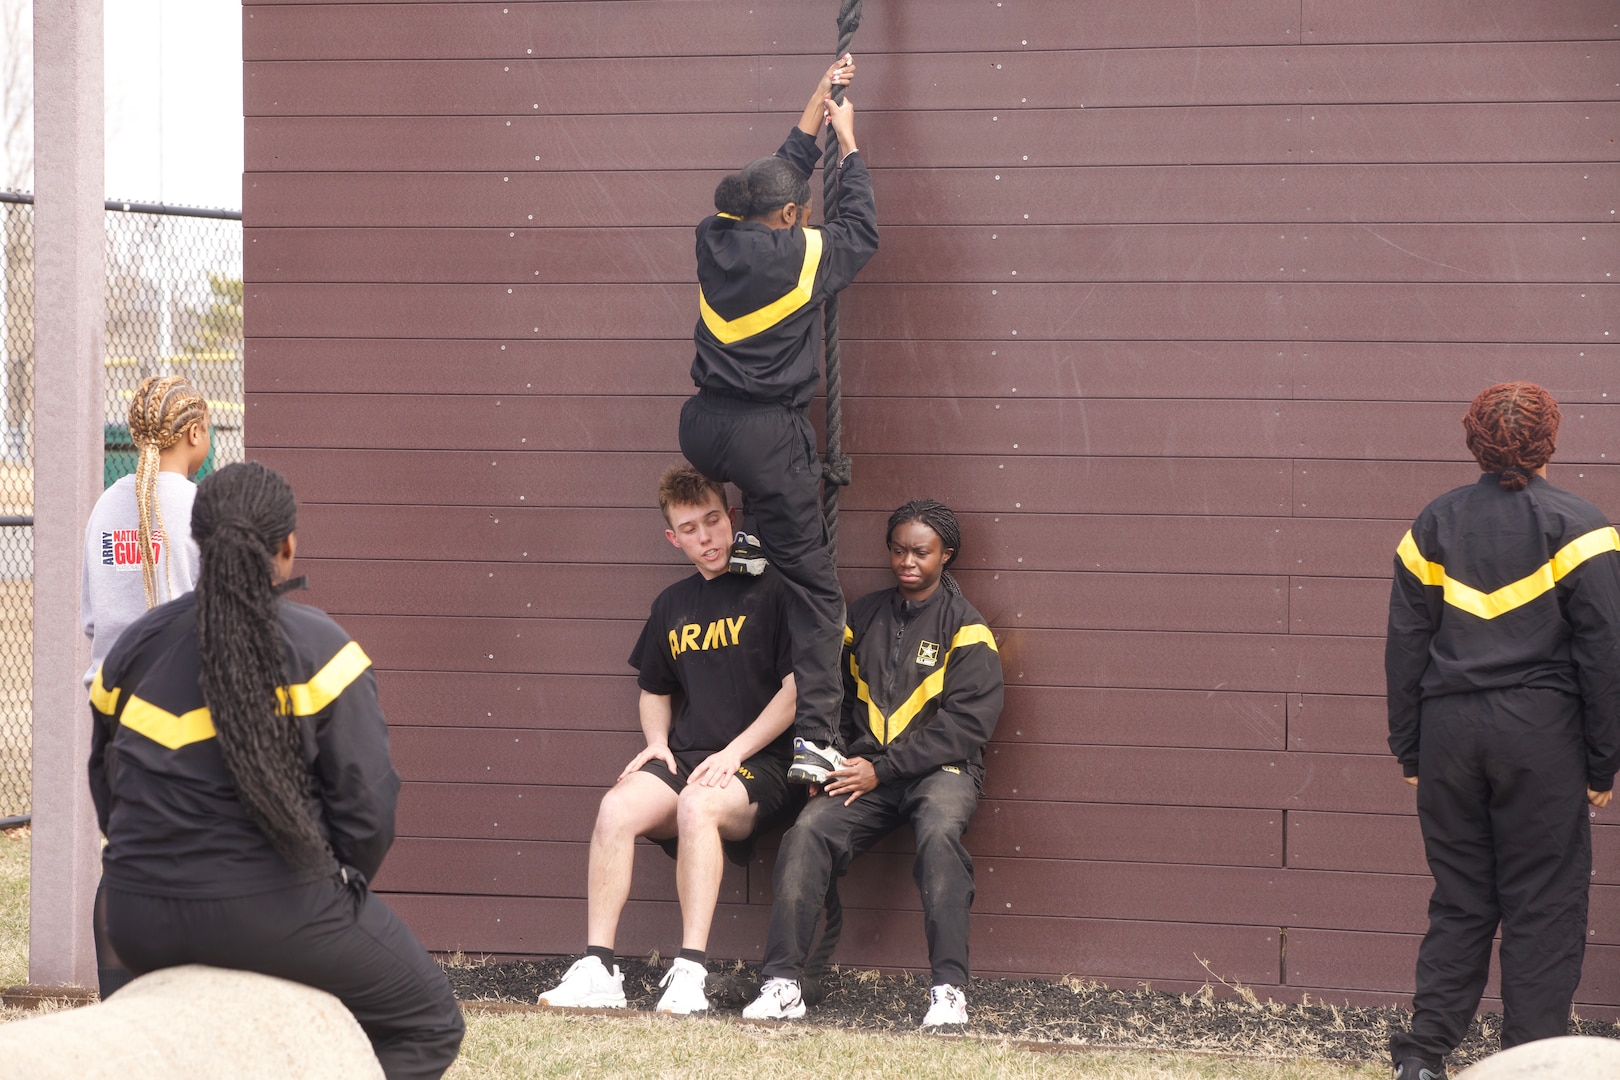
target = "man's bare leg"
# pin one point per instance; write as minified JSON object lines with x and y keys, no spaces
{"x":639,"y":805}
{"x":705,"y":817}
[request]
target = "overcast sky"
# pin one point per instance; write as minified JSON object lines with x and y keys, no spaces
{"x":174,"y":101}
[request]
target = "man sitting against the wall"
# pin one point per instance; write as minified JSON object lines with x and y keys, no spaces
{"x":714,"y":771}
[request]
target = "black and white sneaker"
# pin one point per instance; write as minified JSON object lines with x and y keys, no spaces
{"x":947,"y":1007}
{"x":747,"y":557}
{"x":778,"y":1000}
{"x":1417,"y":1069}
{"x":812,"y":763}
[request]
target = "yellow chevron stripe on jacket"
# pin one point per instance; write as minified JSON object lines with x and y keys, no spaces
{"x":102,"y":699}
{"x":1519,"y":593}
{"x":305,"y":699}
{"x":887,"y":728}
{"x":757,"y":322}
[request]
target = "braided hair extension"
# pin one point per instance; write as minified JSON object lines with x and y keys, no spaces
{"x":1512,"y":429}
{"x":940,"y":518}
{"x":242,"y":514}
{"x":764,"y":185}
{"x":163,"y":408}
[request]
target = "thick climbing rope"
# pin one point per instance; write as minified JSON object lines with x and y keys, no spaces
{"x":835,"y":473}
{"x":835,"y":466}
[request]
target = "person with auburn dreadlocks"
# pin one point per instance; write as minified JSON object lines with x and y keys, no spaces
{"x":763,"y":274}
{"x":1503,"y":670}
{"x":922,"y":693}
{"x":239,"y":767}
{"x":130,"y":563}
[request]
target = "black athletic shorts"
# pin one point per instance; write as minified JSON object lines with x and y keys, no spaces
{"x":764,"y":777}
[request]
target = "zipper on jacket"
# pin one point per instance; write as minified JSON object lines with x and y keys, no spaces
{"x":891,"y":678}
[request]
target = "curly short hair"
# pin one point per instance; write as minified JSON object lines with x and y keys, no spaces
{"x":682,"y":485}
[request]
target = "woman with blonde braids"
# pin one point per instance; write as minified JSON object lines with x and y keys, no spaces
{"x":130,"y":566}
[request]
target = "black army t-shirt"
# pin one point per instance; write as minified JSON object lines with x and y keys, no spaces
{"x":723,"y":646}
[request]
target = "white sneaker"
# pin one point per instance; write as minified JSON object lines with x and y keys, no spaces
{"x":947,"y":1005}
{"x":778,"y":1000}
{"x":587,"y":985}
{"x":684,"y":988}
{"x":812,"y":762}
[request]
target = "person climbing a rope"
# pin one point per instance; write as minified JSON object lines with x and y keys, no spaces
{"x":763,"y":275}
{"x":922,"y":694}
{"x":1503,"y":668}
{"x":716,"y":677}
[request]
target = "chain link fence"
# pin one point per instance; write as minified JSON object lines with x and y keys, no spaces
{"x":174,"y":306}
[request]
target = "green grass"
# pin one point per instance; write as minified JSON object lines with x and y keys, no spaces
{"x":14,"y":907}
{"x":16,"y":688}
{"x":509,"y":1046}
{"x":513,"y":1046}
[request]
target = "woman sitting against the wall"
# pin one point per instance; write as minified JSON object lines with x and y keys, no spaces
{"x":241,"y":775}
{"x":922,"y":694}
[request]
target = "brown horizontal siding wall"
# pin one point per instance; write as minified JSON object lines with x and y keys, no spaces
{"x":1178,"y":306}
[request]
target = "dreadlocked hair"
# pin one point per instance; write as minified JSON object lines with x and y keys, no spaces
{"x":1512,"y":429}
{"x":242,"y":514}
{"x":164,"y":407}
{"x":940,"y":518}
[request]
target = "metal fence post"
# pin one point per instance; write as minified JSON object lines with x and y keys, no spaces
{"x":69,"y":313}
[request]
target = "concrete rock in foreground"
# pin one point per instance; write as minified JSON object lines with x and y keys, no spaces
{"x":1552,"y":1059}
{"x":194,"y":1021}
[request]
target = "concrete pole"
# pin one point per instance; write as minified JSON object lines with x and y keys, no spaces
{"x":70,"y":283}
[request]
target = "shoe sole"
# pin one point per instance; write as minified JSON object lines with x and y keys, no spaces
{"x":807,"y":774}
{"x":791,"y":1014}
{"x":588,"y":1003}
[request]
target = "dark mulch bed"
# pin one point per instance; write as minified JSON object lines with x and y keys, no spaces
{"x":1221,"y":1019}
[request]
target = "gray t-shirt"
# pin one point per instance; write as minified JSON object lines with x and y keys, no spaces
{"x":113,"y":596}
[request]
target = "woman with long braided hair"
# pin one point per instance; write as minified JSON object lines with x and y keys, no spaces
{"x":1503,"y":669}
{"x":241,"y":775}
{"x":138,"y":550}
{"x":922,"y":693}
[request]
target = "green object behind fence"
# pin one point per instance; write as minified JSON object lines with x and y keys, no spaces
{"x":119,"y":454}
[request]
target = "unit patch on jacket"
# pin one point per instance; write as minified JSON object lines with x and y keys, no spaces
{"x":928,"y":653}
{"x":121,"y":548}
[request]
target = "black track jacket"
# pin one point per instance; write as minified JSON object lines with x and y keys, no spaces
{"x":760,"y":289}
{"x":1497,"y":589}
{"x":174,"y":823}
{"x":922,"y":685}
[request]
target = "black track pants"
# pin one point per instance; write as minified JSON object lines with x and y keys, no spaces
{"x":338,"y":938}
{"x":1502,"y":803}
{"x":828,"y":836}
{"x":769,"y":452}
{"x":111,"y":974}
